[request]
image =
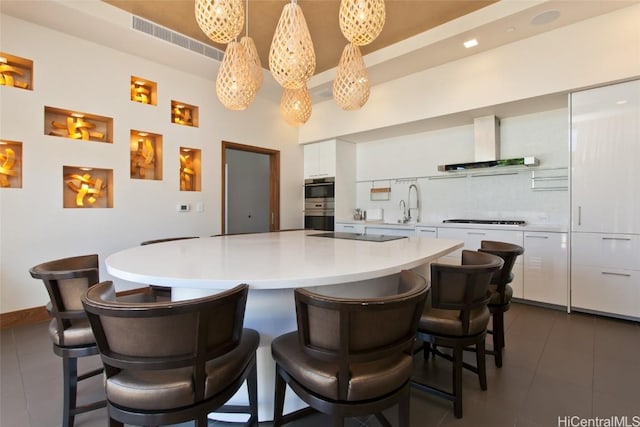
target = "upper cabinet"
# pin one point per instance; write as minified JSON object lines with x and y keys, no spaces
{"x":605,"y":143}
{"x":320,"y":159}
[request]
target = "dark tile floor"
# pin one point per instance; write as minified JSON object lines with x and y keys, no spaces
{"x":556,"y":366}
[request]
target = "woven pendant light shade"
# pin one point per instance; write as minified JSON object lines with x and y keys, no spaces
{"x":220,"y":20}
{"x":361,"y":21}
{"x":254,"y":61}
{"x":295,"y":105}
{"x":292,"y":60}
{"x":234,"y":85}
{"x":351,"y":86}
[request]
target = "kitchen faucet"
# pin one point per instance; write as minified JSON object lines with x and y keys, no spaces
{"x":403,"y":205}
{"x":417,"y":207}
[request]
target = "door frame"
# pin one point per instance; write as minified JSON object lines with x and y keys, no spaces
{"x":274,"y":181}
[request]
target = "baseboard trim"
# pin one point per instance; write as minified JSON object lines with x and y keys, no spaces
{"x":30,"y":316}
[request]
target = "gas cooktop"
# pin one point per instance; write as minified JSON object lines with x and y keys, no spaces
{"x":356,"y":236}
{"x":486,"y":221}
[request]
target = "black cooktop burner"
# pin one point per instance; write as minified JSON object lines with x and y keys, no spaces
{"x":355,"y":236}
{"x":486,"y":221}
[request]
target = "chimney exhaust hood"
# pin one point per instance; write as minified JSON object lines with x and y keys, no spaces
{"x":487,"y":148}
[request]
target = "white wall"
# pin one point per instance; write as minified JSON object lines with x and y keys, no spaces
{"x":71,"y":73}
{"x":591,"y":52}
{"x":542,"y":135}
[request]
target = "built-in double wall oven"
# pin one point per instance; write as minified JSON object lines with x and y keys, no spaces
{"x":319,"y":203}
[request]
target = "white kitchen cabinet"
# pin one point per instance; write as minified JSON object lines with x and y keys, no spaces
{"x":390,"y":231}
{"x":320,"y":159}
{"x":546,"y":263}
{"x":472,"y":238}
{"x":605,"y":224}
{"x":605,"y":273}
{"x":425,"y":231}
{"x":605,"y":146}
{"x":348,"y":227}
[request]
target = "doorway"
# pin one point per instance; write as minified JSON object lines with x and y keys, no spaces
{"x":250,"y":189}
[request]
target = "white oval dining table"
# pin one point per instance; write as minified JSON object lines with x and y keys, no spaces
{"x":273,"y":265}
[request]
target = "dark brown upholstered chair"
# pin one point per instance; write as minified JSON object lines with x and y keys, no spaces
{"x":66,"y":280}
{"x":501,"y":292}
{"x":350,"y":357}
{"x":456,"y":316}
{"x":173,"y":361}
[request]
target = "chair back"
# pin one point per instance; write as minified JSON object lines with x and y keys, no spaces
{"x":165,"y":335}
{"x":463,"y":287}
{"x":345,"y":331}
{"x":508,"y":252}
{"x":66,"y":280}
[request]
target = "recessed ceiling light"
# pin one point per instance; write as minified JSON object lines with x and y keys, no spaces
{"x":621,"y":102}
{"x":510,"y":29}
{"x":470,"y":43}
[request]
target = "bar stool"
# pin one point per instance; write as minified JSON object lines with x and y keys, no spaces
{"x":66,"y":280}
{"x":456,"y":316}
{"x":501,"y":292}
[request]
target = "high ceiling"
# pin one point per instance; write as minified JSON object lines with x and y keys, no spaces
{"x":404,"y":18}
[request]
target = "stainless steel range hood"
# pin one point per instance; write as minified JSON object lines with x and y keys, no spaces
{"x":487,"y":149}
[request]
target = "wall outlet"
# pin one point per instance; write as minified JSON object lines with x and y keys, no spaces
{"x":184,"y":207}
{"x":199,"y":207}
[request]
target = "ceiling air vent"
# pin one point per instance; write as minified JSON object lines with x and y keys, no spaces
{"x":177,"y":39}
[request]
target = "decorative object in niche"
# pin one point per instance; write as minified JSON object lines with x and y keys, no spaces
{"x":189,"y":169}
{"x":77,"y":125}
{"x":86,"y":187}
{"x":144,"y":91}
{"x":10,"y":164}
{"x":15,"y":71}
{"x":184,"y":114}
{"x":146,"y":155}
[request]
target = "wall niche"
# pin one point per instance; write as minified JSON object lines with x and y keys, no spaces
{"x":87,"y":187}
{"x":144,"y":91}
{"x":146,"y":155}
{"x":184,"y":114}
{"x":189,"y":169}
{"x":16,"y":71}
{"x":10,"y":164}
{"x":77,"y":125}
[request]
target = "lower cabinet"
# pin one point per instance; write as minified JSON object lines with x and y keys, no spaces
{"x":546,"y":262}
{"x":347,"y":227}
{"x":389,"y":231}
{"x":605,"y":273}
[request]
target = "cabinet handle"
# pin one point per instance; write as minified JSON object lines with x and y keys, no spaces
{"x":609,"y":273}
{"x":348,"y":226}
{"x":616,"y":238}
{"x":579,"y":215}
{"x":426,"y":231}
{"x":476,"y":233}
{"x":537,"y":237}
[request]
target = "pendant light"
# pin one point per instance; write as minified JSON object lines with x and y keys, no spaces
{"x":220,"y":20}
{"x":351,"y":86}
{"x":234,"y":85}
{"x":255,"y":65}
{"x":361,"y":21}
{"x":295,"y":105}
{"x":292,"y":60}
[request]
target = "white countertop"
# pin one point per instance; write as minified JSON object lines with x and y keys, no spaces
{"x":271,"y":260}
{"x":550,"y":228}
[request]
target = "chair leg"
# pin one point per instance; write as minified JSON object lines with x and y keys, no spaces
{"x":498,"y":337}
{"x":278,"y":401}
{"x":70,"y":384}
{"x":338,"y":420}
{"x":202,"y":421}
{"x":404,"y":410}
{"x":252,"y":387}
{"x":457,"y":382}
{"x":115,"y":423}
{"x":481,"y":364}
